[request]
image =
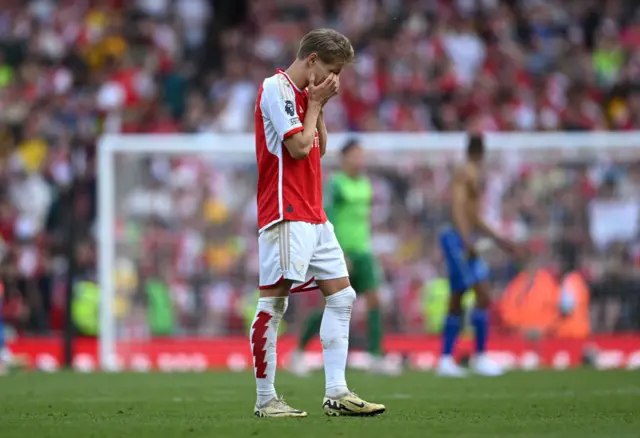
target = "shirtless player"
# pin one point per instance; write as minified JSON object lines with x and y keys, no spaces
{"x":465,"y":269}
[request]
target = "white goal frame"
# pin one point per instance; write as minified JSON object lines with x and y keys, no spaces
{"x":406,"y":147}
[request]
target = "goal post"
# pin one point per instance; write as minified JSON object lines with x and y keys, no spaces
{"x":231,"y":146}
{"x":121,"y":158}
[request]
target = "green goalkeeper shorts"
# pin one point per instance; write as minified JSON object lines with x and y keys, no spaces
{"x":364,"y":271}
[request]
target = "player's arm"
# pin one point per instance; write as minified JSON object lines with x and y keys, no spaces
{"x":488,"y":230}
{"x":322,"y":133}
{"x":478,"y":220}
{"x":322,"y":128}
{"x":299,"y":145}
{"x":278,"y":103}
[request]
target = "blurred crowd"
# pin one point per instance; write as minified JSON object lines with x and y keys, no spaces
{"x":189,"y":223}
{"x":73,"y":69}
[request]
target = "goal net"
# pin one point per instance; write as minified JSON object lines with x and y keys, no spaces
{"x":178,"y":261}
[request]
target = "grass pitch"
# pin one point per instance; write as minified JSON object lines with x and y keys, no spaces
{"x":571,"y":404}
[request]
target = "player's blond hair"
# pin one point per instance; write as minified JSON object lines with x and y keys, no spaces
{"x":330,"y":46}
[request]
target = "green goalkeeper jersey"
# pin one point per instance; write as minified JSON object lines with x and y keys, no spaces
{"x":349,"y":210}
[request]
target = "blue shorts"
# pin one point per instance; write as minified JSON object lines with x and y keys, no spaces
{"x":463,"y":273}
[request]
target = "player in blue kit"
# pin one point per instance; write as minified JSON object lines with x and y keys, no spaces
{"x":466,"y":270}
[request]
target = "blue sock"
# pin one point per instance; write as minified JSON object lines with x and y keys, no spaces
{"x":480,"y":321}
{"x":450,"y":333}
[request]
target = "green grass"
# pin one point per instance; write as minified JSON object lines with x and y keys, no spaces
{"x":542,"y":404}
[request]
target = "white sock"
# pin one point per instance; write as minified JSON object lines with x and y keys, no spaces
{"x":334,"y":335}
{"x":263,"y":338}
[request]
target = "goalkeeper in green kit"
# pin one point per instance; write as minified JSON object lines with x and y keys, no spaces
{"x":349,"y":210}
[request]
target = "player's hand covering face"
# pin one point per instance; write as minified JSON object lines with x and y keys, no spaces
{"x":323,"y":91}
{"x":322,"y":74}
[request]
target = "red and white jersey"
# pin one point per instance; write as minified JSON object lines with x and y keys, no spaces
{"x":288,"y":189}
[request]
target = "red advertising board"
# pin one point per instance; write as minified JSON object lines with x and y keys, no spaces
{"x":419,"y":351}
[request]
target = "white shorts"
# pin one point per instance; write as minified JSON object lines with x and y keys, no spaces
{"x":301,"y":252}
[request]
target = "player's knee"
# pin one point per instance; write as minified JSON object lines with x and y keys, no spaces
{"x":342,"y":300}
{"x":276,"y":306}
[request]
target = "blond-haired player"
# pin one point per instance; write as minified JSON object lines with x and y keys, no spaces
{"x":297,"y":247}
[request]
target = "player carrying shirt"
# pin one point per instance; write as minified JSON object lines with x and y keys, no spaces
{"x":349,"y":209}
{"x":297,"y":247}
{"x":466,"y":270}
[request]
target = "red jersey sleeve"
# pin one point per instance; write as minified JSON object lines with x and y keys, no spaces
{"x":279,"y":104}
